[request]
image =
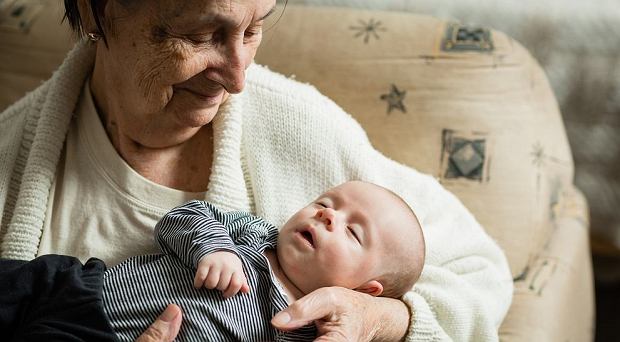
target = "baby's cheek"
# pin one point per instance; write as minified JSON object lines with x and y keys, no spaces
{"x":335,"y":259}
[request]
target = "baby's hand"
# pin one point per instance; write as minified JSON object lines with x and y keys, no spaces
{"x":223,"y":271}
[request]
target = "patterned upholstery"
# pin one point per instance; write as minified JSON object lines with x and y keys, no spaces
{"x":466,"y":104}
{"x":470,"y":106}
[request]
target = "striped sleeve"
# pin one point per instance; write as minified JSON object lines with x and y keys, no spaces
{"x":192,"y":231}
{"x":252,"y":231}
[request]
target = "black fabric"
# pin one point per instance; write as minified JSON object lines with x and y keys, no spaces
{"x":53,"y":298}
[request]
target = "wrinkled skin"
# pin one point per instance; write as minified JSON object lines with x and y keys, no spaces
{"x":169,"y":65}
{"x":167,"y":68}
{"x":344,"y":315}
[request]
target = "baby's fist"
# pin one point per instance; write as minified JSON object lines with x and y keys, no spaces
{"x":223,"y":271}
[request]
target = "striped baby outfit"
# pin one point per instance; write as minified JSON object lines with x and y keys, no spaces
{"x":137,"y":290}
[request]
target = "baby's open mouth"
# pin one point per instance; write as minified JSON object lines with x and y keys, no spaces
{"x":308,"y":237}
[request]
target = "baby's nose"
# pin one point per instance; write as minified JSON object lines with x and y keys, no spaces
{"x":327,"y":216}
{"x":324,"y":217}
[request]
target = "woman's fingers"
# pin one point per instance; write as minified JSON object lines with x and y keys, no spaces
{"x":331,"y":337}
{"x":316,"y":305}
{"x":339,"y":314}
{"x":165,"y":328}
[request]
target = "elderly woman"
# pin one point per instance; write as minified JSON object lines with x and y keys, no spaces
{"x":162,"y":104}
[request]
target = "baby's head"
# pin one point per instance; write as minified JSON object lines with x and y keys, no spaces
{"x":357,"y":235}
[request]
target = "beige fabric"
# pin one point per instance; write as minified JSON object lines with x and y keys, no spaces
{"x":99,"y":207}
{"x":576,"y":43}
{"x":29,"y":57}
{"x":488,"y":95}
{"x":500,"y":97}
{"x":553,"y":298}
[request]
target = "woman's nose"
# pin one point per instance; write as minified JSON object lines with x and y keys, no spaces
{"x":233,"y":70}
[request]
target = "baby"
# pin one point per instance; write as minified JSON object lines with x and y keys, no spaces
{"x":357,"y":235}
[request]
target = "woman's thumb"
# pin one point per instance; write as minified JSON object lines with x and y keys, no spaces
{"x":165,"y":328}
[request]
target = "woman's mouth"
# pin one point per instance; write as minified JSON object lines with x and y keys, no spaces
{"x":205,"y":98}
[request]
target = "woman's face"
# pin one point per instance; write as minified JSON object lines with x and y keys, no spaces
{"x":170,"y":64}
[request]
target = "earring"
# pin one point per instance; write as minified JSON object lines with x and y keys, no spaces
{"x":94,"y":36}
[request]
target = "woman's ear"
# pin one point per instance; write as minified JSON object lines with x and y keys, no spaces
{"x":372,"y":287}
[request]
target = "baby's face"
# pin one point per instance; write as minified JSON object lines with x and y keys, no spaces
{"x":343,"y":237}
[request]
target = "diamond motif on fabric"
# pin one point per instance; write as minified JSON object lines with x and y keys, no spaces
{"x":464,"y":156}
{"x":466,"y":159}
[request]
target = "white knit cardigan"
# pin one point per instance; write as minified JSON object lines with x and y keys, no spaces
{"x":277,"y":145}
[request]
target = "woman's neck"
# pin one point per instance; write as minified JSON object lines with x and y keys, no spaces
{"x":185,"y":167}
{"x":293,"y":293}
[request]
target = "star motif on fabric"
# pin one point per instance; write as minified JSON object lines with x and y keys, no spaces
{"x":540,"y":158}
{"x":395,"y":99}
{"x":368,"y":29}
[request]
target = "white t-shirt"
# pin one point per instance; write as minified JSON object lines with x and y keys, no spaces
{"x":113,"y":208}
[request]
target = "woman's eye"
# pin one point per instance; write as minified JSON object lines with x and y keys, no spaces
{"x":252,"y":33}
{"x":201,"y":39}
{"x":213,"y":37}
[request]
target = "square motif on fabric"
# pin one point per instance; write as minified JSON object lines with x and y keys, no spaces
{"x":464,"y":156}
{"x":466,"y":38}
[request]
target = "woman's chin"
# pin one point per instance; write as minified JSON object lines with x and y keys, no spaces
{"x":190,"y":113}
{"x":195,"y":118}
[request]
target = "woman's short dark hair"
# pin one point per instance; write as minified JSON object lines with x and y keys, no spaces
{"x":72,"y":15}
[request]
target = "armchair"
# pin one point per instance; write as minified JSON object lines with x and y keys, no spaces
{"x":468,"y":105}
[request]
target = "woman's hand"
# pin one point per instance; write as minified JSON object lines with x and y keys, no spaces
{"x":165,"y":328}
{"x":345,"y":315}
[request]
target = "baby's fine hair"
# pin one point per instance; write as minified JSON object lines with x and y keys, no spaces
{"x":406,"y":269}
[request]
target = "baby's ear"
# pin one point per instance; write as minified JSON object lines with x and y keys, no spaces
{"x":372,"y":287}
